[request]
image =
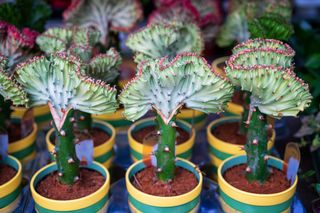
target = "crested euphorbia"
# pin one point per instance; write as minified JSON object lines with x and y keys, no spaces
{"x":80,"y":42}
{"x":59,"y":81}
{"x":114,"y":15}
{"x":15,"y":44}
{"x":167,"y":85}
{"x":205,"y":13}
{"x":264,"y":68}
{"x":161,"y":39}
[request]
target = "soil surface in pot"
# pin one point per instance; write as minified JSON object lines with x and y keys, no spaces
{"x":140,"y":135}
{"x":229,"y":132}
{"x":146,"y":181}
{"x":90,"y":181}
{"x":277,"y":181}
{"x":6,"y":173}
{"x":98,"y":135}
{"x":14,"y":132}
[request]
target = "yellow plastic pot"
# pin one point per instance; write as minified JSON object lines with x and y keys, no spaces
{"x":116,"y":119}
{"x":220,"y":150}
{"x":10,"y":191}
{"x":236,"y":200}
{"x":103,"y":153}
{"x":95,"y":202}
{"x":138,"y":150}
{"x":196,"y":118}
{"x":42,"y":115}
{"x":25,"y":148}
{"x":142,"y":202}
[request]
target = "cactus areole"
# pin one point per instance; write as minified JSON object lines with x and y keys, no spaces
{"x":57,"y":80}
{"x":165,"y":86}
{"x":264,"y":68}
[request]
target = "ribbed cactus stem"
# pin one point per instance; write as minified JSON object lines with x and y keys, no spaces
{"x":83,"y":120}
{"x":68,"y":164}
{"x":256,"y":147}
{"x":243,"y":125}
{"x":5,"y":112}
{"x":166,"y":149}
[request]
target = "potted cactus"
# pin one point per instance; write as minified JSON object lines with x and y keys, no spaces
{"x":264,"y":68}
{"x":104,"y":16}
{"x":15,"y":47}
{"x":180,"y":37}
{"x":81,"y":42}
{"x":60,"y":81}
{"x":10,"y":167}
{"x":164,"y":85}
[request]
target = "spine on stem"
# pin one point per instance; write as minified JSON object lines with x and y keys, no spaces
{"x":165,"y":153}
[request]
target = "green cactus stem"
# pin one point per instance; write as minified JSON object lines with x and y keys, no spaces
{"x":65,"y":153}
{"x":83,"y":121}
{"x":243,"y":125}
{"x":115,"y":15}
{"x":257,"y":146}
{"x":263,"y":67}
{"x":165,"y":153}
{"x":165,"y":86}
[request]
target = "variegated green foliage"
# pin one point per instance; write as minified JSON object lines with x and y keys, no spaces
{"x":168,"y":85}
{"x":116,"y":15}
{"x":9,"y":88}
{"x":264,"y":68}
{"x":80,"y":42}
{"x":104,"y":67}
{"x":160,"y":40}
{"x":58,"y":80}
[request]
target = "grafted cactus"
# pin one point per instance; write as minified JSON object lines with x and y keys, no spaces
{"x":205,"y":13}
{"x":166,"y":86}
{"x":59,"y":82}
{"x":264,"y":68}
{"x":15,"y":44}
{"x":253,"y":19}
{"x":80,"y":42}
{"x":115,"y":15}
{"x":159,"y":40}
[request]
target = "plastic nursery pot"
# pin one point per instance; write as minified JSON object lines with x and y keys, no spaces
{"x":220,"y":150}
{"x":41,"y":114}
{"x":196,"y":118}
{"x":142,"y":202}
{"x":236,"y":200}
{"x":25,"y":148}
{"x":116,"y":119}
{"x":95,"y":202}
{"x":103,"y":153}
{"x":138,"y":150}
{"x":10,"y":191}
{"x":232,"y":108}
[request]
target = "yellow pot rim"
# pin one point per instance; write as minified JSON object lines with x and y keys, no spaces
{"x":224,"y":146}
{"x":253,"y":198}
{"x":189,"y":113}
{"x":12,"y":184}
{"x":218,"y":61}
{"x":98,"y":150}
{"x":37,"y":110}
{"x":214,"y":160}
{"x":138,"y":147}
{"x":24,"y":142}
{"x":70,"y":205}
{"x":234,"y":108}
{"x":117,"y":115}
{"x":163,"y":201}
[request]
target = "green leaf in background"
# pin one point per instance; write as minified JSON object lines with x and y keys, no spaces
{"x":313,"y":62}
{"x":26,"y":13}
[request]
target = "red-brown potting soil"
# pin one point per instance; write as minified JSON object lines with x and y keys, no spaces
{"x":6,"y":173}
{"x":182,"y":135}
{"x":229,"y":132}
{"x":14,"y":132}
{"x":98,"y":135}
{"x":276,"y":182}
{"x":89,"y":182}
{"x":147,"y":182}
